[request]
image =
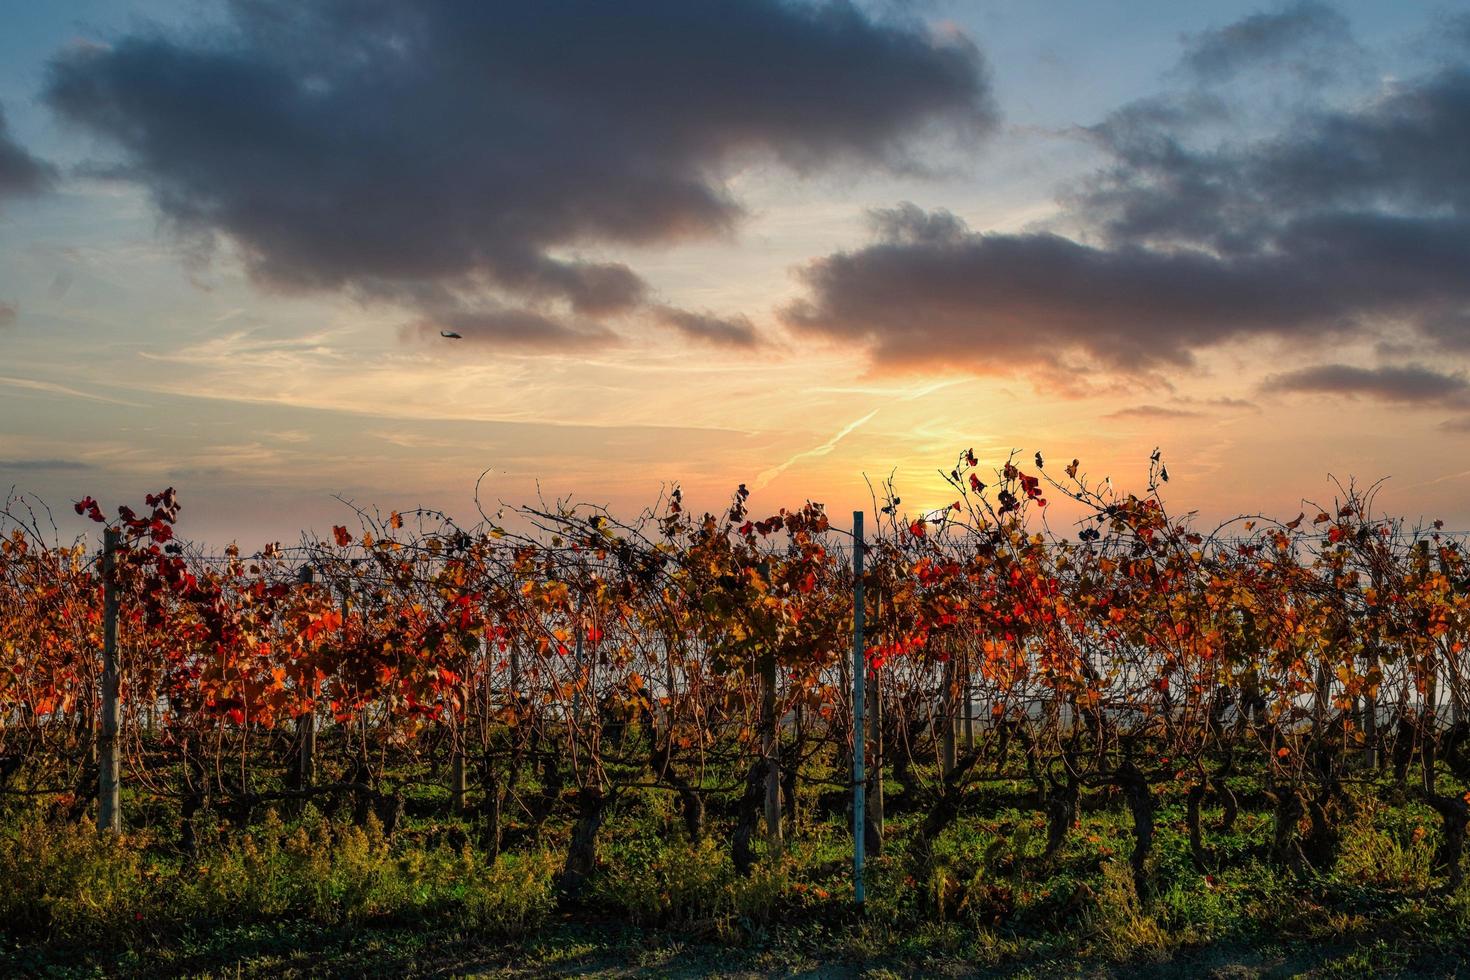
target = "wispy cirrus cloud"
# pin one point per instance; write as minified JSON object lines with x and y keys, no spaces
{"x":33,"y":465}
{"x":52,"y":388}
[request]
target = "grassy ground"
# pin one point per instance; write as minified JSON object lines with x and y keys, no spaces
{"x":567,"y":950}
{"x":313,"y":895}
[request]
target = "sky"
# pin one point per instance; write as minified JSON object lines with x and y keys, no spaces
{"x":802,"y":246}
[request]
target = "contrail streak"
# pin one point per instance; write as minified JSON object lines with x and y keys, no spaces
{"x":821,"y":450}
{"x":903,"y":394}
{"x":1439,"y":479}
{"x":55,"y":389}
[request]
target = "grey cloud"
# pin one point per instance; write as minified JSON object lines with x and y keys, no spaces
{"x":20,"y":172}
{"x":1306,"y":37}
{"x":1410,"y":384}
{"x":910,"y":224}
{"x":736,"y":331}
{"x":1458,"y":28}
{"x":387,"y":148}
{"x":1405,"y":153}
{"x":8,"y":315}
{"x":1343,"y":222}
{"x":997,"y":302}
{"x":1447,"y":36}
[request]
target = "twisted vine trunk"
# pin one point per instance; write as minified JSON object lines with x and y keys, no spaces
{"x":582,"y":850}
{"x":791,"y":772}
{"x":194,"y":796}
{"x":1454,"y":816}
{"x":747,"y":815}
{"x":490,"y":833}
{"x":1062,"y":798}
{"x":942,"y":814}
{"x":1130,"y":779}
{"x":691,"y":803}
{"x":1192,"y":821}
{"x":1286,"y":813}
{"x":1061,"y":814}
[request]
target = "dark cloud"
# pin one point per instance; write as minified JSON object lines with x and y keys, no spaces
{"x":1409,"y":384}
{"x":735,"y":331}
{"x":1339,"y":222}
{"x":998,"y":302}
{"x":1447,"y":36}
{"x":20,"y":173}
{"x":909,"y":224}
{"x":1307,"y":38}
{"x":387,"y":148}
{"x":1405,"y":153}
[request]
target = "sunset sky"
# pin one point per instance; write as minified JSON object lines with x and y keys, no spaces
{"x":785,"y":244}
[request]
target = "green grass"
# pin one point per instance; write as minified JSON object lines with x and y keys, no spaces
{"x":313,"y":895}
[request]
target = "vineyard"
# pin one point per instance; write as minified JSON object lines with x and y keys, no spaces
{"x":1067,"y":723}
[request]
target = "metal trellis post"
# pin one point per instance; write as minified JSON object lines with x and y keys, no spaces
{"x":109,"y":810}
{"x":859,"y":676}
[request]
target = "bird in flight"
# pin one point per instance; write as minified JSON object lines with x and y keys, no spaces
{"x":450,"y":334}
